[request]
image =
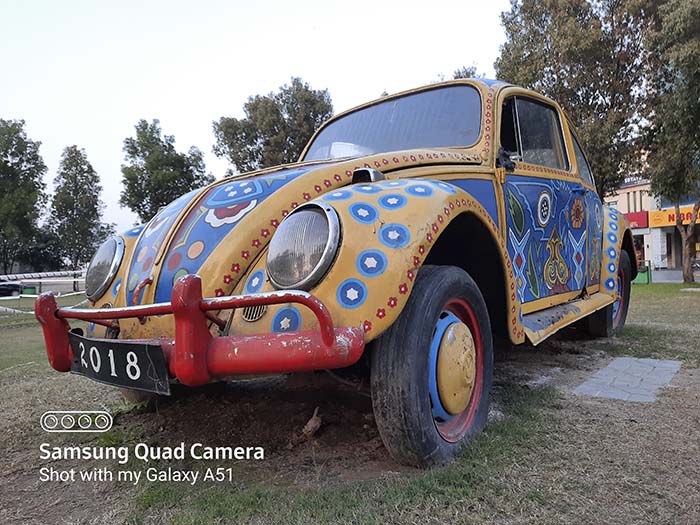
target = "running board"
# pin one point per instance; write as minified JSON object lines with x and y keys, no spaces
{"x":540,"y":325}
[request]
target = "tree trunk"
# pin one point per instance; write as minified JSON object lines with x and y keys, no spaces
{"x":687,"y":268}
{"x":687,"y":240}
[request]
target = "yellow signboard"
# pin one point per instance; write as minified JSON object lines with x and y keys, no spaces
{"x":668,"y":217}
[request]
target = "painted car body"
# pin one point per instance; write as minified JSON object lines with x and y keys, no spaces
{"x":550,"y":239}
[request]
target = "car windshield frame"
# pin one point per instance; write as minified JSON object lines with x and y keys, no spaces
{"x":402,"y":123}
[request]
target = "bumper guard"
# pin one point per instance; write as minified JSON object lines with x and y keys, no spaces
{"x":196,"y":357}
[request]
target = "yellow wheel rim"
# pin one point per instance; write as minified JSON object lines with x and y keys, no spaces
{"x":456,"y":368}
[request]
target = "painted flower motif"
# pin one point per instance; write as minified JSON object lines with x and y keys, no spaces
{"x":435,"y":227}
{"x":265,"y":233}
{"x":285,"y":213}
{"x":421,"y":249}
{"x":429,"y":237}
{"x":348,"y":173}
{"x":228,"y":279}
{"x":366,"y":326}
{"x":245,"y":254}
{"x":274,"y":223}
{"x":337,"y":177}
{"x":403,"y":289}
{"x":577,"y":214}
{"x":219,"y":292}
{"x":381,"y":313}
{"x":452,"y":206}
{"x":440,"y":219}
{"x":295,"y":204}
{"x":235,"y":267}
{"x":416,"y":261}
{"x":318,"y":188}
{"x":410,"y":274}
{"x":327,"y":183}
{"x":385,"y":161}
{"x":307,"y":196}
{"x":392,"y":302}
{"x":256,"y":243}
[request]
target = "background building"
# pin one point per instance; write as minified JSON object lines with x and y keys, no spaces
{"x":653,"y":223}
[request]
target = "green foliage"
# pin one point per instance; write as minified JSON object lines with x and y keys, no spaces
{"x":42,"y":251}
{"x":76,"y":208}
{"x":156,"y":173}
{"x":465,"y":72}
{"x":587,"y":56}
{"x":275,"y":129}
{"x":21,"y":190}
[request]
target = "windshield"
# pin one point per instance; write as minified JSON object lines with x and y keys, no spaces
{"x":441,"y":117}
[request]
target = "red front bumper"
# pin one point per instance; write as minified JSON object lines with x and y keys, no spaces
{"x":196,"y":357}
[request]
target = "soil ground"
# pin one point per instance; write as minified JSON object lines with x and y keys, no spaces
{"x":547,"y":456}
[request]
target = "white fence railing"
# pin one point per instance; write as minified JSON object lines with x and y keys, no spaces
{"x":63,"y":284}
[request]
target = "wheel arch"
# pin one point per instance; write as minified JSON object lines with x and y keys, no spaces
{"x":468,"y":244}
{"x":628,"y":246}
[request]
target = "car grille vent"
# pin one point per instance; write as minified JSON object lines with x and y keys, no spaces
{"x":254,"y":313}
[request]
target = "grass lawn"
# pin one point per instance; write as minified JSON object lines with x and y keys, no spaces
{"x":661,"y":324}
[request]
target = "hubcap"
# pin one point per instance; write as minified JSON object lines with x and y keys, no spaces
{"x":456,"y":368}
{"x":455,"y":372}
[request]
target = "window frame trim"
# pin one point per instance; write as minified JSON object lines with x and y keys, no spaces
{"x":576,"y":142}
{"x":516,"y":96}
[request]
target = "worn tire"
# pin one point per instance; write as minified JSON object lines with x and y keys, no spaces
{"x":401,"y":366}
{"x":611,"y":319}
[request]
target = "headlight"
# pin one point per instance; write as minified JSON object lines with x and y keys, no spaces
{"x":103,"y":267}
{"x":303,"y":247}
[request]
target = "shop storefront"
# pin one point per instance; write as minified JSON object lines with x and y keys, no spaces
{"x":666,"y":243}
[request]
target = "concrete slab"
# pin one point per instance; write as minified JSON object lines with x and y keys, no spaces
{"x":630,"y":379}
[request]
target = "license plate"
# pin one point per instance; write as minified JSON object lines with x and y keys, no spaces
{"x":135,"y":365}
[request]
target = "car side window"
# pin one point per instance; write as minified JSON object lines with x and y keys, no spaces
{"x":541,"y":138}
{"x":584,"y":168}
{"x":509,"y":130}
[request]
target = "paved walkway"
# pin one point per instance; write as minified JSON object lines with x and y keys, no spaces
{"x":630,"y":379}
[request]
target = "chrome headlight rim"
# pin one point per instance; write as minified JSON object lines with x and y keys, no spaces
{"x":111,"y":273}
{"x":327,"y":257}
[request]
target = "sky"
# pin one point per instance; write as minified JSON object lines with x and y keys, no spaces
{"x":84,"y":72}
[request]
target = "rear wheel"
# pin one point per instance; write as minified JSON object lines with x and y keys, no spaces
{"x":431,"y":372}
{"x":611,"y":319}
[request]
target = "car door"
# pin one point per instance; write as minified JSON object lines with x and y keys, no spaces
{"x":545,"y":205}
{"x":594,"y":217}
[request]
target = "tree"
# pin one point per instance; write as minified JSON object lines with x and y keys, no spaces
{"x":674,"y":136}
{"x":155,"y":173}
{"x":275,"y":129}
{"x":465,"y":72}
{"x":21,"y":188}
{"x":43,"y":251}
{"x":76,"y":209}
{"x":588,"y":56}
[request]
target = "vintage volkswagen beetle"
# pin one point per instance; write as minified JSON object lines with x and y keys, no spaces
{"x":413,"y":229}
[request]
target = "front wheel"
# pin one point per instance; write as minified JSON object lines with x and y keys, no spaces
{"x":431,"y":372}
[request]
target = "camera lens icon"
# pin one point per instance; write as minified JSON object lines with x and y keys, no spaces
{"x":76,"y":421}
